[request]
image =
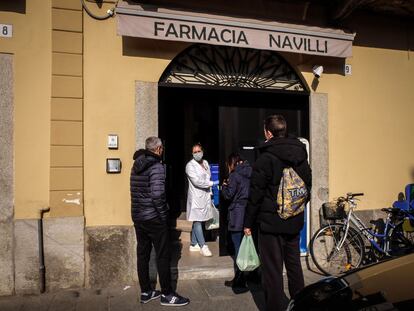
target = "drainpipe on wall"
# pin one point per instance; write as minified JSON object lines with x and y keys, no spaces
{"x":42,"y":268}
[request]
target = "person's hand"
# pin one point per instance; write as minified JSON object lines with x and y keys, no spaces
{"x":247,"y":231}
{"x":225,"y":182}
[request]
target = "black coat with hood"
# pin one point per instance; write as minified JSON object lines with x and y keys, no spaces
{"x":275,"y":155}
{"x":147,"y":186}
{"x":237,"y":191}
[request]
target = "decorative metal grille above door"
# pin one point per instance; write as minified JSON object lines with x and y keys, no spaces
{"x":223,"y":66}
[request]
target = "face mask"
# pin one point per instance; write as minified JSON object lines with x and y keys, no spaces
{"x":198,"y":156}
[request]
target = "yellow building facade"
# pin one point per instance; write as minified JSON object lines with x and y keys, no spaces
{"x":70,"y":80}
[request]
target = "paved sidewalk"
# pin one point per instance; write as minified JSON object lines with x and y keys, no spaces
{"x":207,"y":294}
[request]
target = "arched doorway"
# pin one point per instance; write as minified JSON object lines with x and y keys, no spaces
{"x":219,"y":96}
{"x":223,"y":66}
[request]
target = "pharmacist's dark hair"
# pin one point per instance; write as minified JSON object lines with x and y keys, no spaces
{"x":197,"y":145}
{"x":276,"y":124}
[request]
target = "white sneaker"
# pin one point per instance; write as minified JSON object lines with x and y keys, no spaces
{"x":205,"y":251}
{"x":195,"y":248}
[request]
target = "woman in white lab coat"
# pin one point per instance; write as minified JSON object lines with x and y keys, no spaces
{"x":199,"y":207}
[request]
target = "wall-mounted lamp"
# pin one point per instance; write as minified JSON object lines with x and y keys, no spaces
{"x":317,"y":71}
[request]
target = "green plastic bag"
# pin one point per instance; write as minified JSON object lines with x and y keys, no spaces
{"x":247,"y":259}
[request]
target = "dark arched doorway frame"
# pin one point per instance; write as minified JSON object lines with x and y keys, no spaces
{"x":204,"y":67}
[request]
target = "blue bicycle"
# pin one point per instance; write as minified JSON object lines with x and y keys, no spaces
{"x":345,"y":243}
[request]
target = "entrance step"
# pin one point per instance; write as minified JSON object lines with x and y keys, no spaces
{"x":184,"y":227}
{"x":188,"y":265}
{"x":183,"y":216}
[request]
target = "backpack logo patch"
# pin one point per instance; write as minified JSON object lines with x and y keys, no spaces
{"x":292,"y":194}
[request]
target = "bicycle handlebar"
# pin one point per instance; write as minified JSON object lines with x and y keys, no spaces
{"x":352,"y":195}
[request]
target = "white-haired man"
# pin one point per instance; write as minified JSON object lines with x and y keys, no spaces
{"x":149,"y":211}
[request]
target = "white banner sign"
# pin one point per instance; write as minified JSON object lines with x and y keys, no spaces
{"x":161,"y":26}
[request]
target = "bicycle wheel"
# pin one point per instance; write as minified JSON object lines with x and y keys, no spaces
{"x":400,"y":242}
{"x":331,"y":259}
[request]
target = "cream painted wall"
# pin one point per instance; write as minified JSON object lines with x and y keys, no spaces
{"x":109,"y":108}
{"x":31,"y":47}
{"x":371,"y":126}
{"x":369,"y":113}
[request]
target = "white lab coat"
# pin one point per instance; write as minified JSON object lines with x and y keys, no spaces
{"x":199,"y":191}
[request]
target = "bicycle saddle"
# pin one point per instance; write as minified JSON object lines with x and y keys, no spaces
{"x":392,"y":210}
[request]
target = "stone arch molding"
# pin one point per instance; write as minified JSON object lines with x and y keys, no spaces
{"x":202,"y":65}
{"x":226,"y":66}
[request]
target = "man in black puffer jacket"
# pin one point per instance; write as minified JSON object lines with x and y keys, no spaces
{"x":149,"y":212}
{"x":148,"y":198}
{"x":278,"y":238}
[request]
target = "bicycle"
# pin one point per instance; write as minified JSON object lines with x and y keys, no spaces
{"x":342,"y":245}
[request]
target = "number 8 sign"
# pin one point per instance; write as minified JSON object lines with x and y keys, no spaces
{"x":6,"y":30}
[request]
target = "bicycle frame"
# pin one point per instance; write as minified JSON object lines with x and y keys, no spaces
{"x":348,"y":236}
{"x":370,"y":235}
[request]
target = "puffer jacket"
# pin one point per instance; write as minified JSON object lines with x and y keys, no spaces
{"x":237,"y":191}
{"x":147,"y":186}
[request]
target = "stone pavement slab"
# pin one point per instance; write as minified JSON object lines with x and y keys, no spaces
{"x":205,"y":295}
{"x":92,"y":299}
{"x":206,"y":290}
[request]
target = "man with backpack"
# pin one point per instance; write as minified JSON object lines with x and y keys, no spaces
{"x":279,"y":189}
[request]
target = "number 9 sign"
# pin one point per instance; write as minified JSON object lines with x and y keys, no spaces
{"x":348,"y":70}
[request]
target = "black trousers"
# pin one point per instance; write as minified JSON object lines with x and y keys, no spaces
{"x":153,"y":232}
{"x":276,"y":249}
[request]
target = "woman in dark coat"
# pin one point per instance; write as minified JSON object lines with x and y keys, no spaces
{"x":236,"y":190}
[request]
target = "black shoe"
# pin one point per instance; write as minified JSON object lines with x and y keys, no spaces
{"x":230,"y":283}
{"x":174,"y":300}
{"x":240,"y":282}
{"x":254,"y":277}
{"x":239,"y":285}
{"x":151,"y":295}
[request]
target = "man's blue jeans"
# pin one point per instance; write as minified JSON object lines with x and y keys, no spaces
{"x":197,"y":236}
